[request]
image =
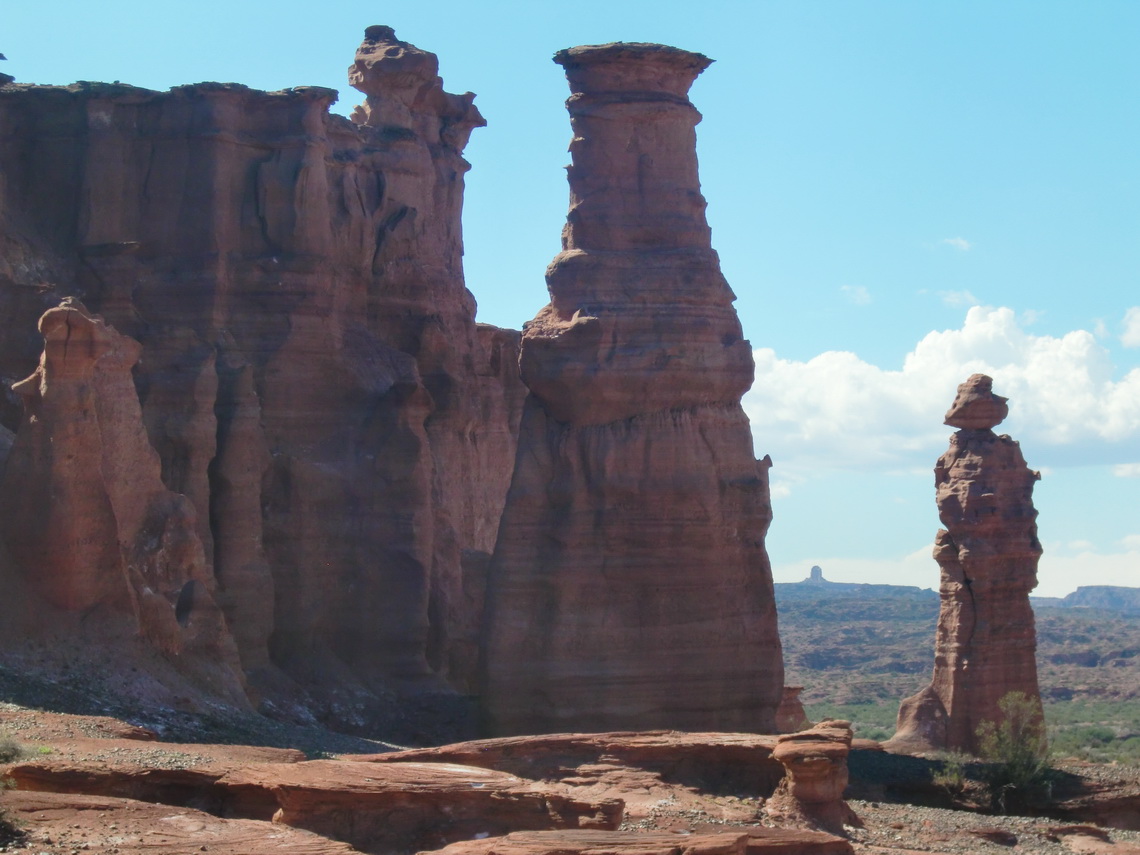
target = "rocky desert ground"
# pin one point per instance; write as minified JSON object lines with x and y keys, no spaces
{"x":94,"y":783}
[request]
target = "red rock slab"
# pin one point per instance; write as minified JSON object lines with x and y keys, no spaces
{"x":751,"y":841}
{"x":65,"y":822}
{"x":166,"y":772}
{"x":407,"y":806}
{"x":710,"y":761}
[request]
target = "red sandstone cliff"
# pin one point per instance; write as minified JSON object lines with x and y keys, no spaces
{"x":331,"y":429}
{"x":988,"y":552}
{"x":630,"y":587}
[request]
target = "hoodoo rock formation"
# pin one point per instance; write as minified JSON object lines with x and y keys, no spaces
{"x":82,"y":498}
{"x":330,"y":432}
{"x":630,"y":587}
{"x":988,"y":552}
{"x":815,"y":764}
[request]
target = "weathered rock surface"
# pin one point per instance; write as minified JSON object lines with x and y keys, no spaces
{"x":84,"y":511}
{"x":712,"y":762}
{"x":408,"y":806}
{"x":65,"y":822}
{"x":394,"y":807}
{"x":333,"y":431}
{"x":811,"y":793}
{"x":737,"y":841}
{"x":986,"y":644}
{"x":629,"y":587}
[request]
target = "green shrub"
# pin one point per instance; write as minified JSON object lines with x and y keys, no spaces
{"x":953,"y":775}
{"x":10,"y":750}
{"x":1016,"y":754}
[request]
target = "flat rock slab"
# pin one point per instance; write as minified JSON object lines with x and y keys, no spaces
{"x":165,"y":772}
{"x":407,"y":806}
{"x":713,"y":762}
{"x":391,"y":807}
{"x":66,"y":823}
{"x":753,"y":841}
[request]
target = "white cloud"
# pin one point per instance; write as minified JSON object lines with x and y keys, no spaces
{"x":960,"y":244}
{"x":1131,"y":335}
{"x":959,"y":298}
{"x":1126,"y":470}
{"x":1058,"y":575}
{"x":857,"y":294}
{"x":836,"y":411}
{"x":1031,"y":316}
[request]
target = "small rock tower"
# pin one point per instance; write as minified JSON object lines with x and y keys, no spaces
{"x":986,"y":642}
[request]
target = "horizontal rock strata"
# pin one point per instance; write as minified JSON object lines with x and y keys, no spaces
{"x":333,"y":432}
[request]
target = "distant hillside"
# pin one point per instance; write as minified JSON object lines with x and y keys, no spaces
{"x":1112,"y":598}
{"x":851,"y":643}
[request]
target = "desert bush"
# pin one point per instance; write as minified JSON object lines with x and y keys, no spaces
{"x":1016,"y":754}
{"x":953,"y":775}
{"x":10,"y":751}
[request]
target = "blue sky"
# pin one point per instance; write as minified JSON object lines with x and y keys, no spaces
{"x":901,"y":193}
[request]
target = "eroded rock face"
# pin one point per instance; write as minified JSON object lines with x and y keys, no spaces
{"x":83,"y":508}
{"x":333,"y":430}
{"x":986,"y":643}
{"x":630,"y":587}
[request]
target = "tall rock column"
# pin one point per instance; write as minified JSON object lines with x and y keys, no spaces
{"x":986,"y":643}
{"x":630,"y":587}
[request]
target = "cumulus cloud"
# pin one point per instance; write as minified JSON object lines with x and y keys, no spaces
{"x":1131,"y":335}
{"x":960,"y":244}
{"x":856,"y":294}
{"x":1058,"y":575}
{"x":1126,"y":470}
{"x":836,"y":411}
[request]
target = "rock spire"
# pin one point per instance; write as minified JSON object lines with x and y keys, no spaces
{"x":630,"y":587}
{"x":986,"y":643}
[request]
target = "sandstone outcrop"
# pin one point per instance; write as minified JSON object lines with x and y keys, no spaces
{"x":815,"y":764}
{"x":395,"y":807}
{"x":986,"y":644}
{"x":711,"y":762}
{"x":78,"y":823}
{"x":630,"y":587}
{"x":84,"y":511}
{"x":332,"y":431}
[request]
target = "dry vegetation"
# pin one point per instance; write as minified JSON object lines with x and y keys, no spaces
{"x":859,"y":649}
